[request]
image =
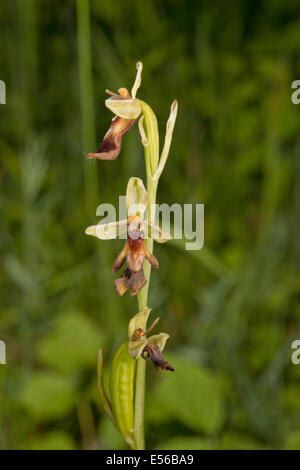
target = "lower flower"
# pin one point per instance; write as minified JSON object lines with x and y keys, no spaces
{"x":150,"y":348}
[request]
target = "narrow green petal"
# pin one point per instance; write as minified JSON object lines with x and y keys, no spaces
{"x":108,"y":231}
{"x":135,"y":348}
{"x":138,"y":79}
{"x":138,"y":321}
{"x":124,"y":108}
{"x":156,"y":233}
{"x":136,"y":197}
{"x":159,"y":339}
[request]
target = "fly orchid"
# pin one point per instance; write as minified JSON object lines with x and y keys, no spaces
{"x":127,"y":109}
{"x":150,"y":348}
{"x":127,"y":378}
{"x":135,"y":229}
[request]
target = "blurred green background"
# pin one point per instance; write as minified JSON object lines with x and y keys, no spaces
{"x":233,"y":308}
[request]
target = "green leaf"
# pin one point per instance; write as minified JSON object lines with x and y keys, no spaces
{"x":110,"y":437}
{"x":72,"y":344}
{"x":193,"y":394}
{"x":236,"y":441}
{"x":186,"y":443}
{"x":47,"y":396}
{"x":54,"y":440}
{"x":292,"y":441}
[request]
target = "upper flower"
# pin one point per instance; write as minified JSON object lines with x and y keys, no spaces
{"x":127,"y":109}
{"x":135,"y":229}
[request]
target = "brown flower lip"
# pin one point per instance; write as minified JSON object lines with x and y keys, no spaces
{"x":151,"y":352}
{"x":110,"y":147}
{"x":134,"y":253}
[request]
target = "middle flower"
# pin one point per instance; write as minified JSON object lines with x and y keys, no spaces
{"x":136,"y":230}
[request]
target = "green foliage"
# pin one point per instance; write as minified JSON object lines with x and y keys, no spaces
{"x":71,"y":345}
{"x":292,"y":441}
{"x":110,"y":437}
{"x":236,"y":441}
{"x":47,"y":396}
{"x":55,"y":440}
{"x":186,"y":443}
{"x":192,"y":395}
{"x":232,"y":309}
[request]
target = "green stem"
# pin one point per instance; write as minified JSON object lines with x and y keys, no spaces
{"x":139,"y":433}
{"x":151,"y":160}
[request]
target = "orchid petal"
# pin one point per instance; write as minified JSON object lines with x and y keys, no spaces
{"x":126,"y":108}
{"x":156,"y":233}
{"x":160,"y":340}
{"x":144,"y":139}
{"x":136,"y":197}
{"x":138,"y":79}
{"x":135,"y":348}
{"x":139,"y":321}
{"x":168,"y":140}
{"x":108,"y":231}
{"x":111,"y":145}
{"x":134,"y":281}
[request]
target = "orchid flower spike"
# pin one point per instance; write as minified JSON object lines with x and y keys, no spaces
{"x":134,"y":229}
{"x":127,"y":109}
{"x":150,"y":348}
